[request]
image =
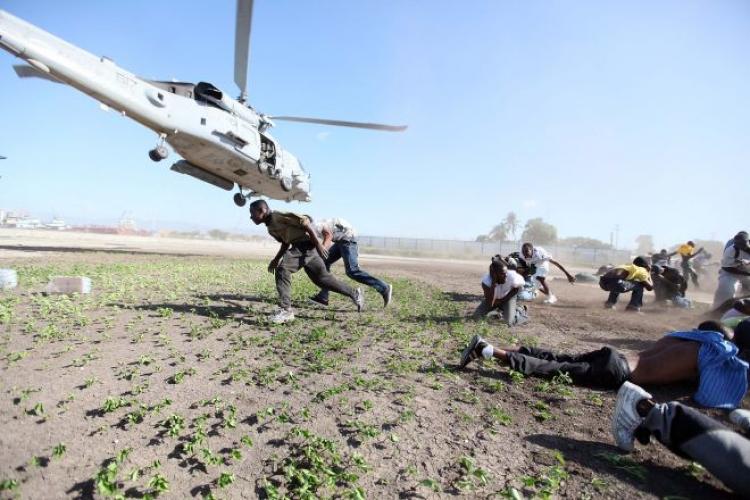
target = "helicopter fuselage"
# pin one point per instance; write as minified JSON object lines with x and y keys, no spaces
{"x":222,"y":141}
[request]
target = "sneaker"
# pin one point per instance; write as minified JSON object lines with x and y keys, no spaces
{"x":472,"y":351}
{"x":316,"y":299}
{"x":633,"y":309}
{"x":610,"y":305}
{"x":282,"y":316}
{"x":359,"y":300}
{"x":626,"y":418}
{"x":550,"y":300}
{"x":387,"y":295}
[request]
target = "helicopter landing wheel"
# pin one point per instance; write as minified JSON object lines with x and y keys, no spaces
{"x":239,"y":199}
{"x":158,"y":153}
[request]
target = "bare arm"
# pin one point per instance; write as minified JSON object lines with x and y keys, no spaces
{"x":571,"y":278}
{"x":695,"y":254}
{"x":314,"y":238}
{"x":511,"y":294}
{"x":489,"y":293}
{"x":275,"y":262}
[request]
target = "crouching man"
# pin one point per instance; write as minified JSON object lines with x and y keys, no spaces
{"x":627,"y":278}
{"x":300,"y":249}
{"x":501,"y":286}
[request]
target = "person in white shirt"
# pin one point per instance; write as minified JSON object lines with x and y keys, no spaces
{"x":538,"y":259}
{"x":340,"y":238}
{"x":735,"y":270}
{"x":501,"y":286}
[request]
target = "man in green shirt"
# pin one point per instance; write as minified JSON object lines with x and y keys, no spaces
{"x":300,"y":248}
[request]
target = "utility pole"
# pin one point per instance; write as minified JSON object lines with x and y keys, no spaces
{"x":617,"y":236}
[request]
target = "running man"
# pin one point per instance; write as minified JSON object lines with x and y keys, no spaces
{"x":633,"y":278}
{"x":501,"y":286}
{"x":705,"y":354}
{"x":538,"y":259}
{"x":735,"y":269}
{"x":686,"y":432}
{"x":340,"y":239}
{"x":687,"y":255}
{"x":300,"y":248}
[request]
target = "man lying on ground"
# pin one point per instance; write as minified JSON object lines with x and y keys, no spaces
{"x":686,"y":432}
{"x":706,"y":354}
{"x":537,"y":258}
{"x":500,"y":287}
{"x":300,"y":249}
{"x":632,"y":278}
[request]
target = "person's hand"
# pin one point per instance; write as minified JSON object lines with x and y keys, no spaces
{"x":322,"y":252}
{"x":273,"y":265}
{"x":571,"y":279}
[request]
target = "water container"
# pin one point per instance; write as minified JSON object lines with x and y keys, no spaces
{"x":69,"y":284}
{"x":8,"y":279}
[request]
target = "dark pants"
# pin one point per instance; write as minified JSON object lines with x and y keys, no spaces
{"x":693,"y":435}
{"x":297,"y":258}
{"x":347,"y":250}
{"x":603,"y":368}
{"x":616,"y":286}
{"x":689,"y":273}
{"x":512,"y":314}
{"x":668,"y":290}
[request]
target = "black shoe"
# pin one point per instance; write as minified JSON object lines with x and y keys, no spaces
{"x":472,"y":351}
{"x":387,"y":295}
{"x":317,"y":300}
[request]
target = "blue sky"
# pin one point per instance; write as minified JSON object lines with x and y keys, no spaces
{"x":588,"y":114}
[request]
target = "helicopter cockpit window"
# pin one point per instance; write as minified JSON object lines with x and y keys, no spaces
{"x":209,"y":94}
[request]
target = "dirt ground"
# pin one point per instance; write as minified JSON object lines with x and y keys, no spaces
{"x":168,"y":381}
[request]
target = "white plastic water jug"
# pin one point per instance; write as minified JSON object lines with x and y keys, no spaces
{"x":8,"y":279}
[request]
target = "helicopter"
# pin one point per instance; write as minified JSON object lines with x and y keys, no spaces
{"x":222,"y":141}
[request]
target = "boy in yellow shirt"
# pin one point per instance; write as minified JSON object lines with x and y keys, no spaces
{"x":627,"y":278}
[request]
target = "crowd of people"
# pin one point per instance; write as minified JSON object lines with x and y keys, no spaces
{"x":716,"y":353}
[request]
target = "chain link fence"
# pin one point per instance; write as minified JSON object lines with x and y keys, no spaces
{"x":417,"y":247}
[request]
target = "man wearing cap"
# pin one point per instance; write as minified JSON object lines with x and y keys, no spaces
{"x":735,"y":270}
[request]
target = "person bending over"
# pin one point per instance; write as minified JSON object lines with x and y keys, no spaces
{"x":705,"y":354}
{"x":684,"y":431}
{"x":501,"y":286}
{"x":340,"y":239}
{"x":669,"y":284}
{"x":300,"y":249}
{"x":537,"y":258}
{"x":627,"y":278}
{"x":735,"y":270}
{"x":662,"y":258}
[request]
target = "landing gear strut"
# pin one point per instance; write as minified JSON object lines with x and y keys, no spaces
{"x":160,"y":152}
{"x":239,"y":199}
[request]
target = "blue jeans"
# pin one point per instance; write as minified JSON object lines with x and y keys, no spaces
{"x":347,"y":250}
{"x":617,"y":286}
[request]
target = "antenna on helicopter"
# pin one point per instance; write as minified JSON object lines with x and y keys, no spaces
{"x":242,"y":45}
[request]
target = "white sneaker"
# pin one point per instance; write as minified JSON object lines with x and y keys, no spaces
{"x":550,"y":300}
{"x":281,"y":316}
{"x":626,"y":418}
{"x":359,"y":300}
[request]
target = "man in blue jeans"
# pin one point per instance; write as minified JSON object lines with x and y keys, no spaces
{"x":627,"y":278}
{"x":340,"y":238}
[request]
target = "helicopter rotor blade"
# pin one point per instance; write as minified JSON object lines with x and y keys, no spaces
{"x":341,"y":123}
{"x":242,"y":45}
